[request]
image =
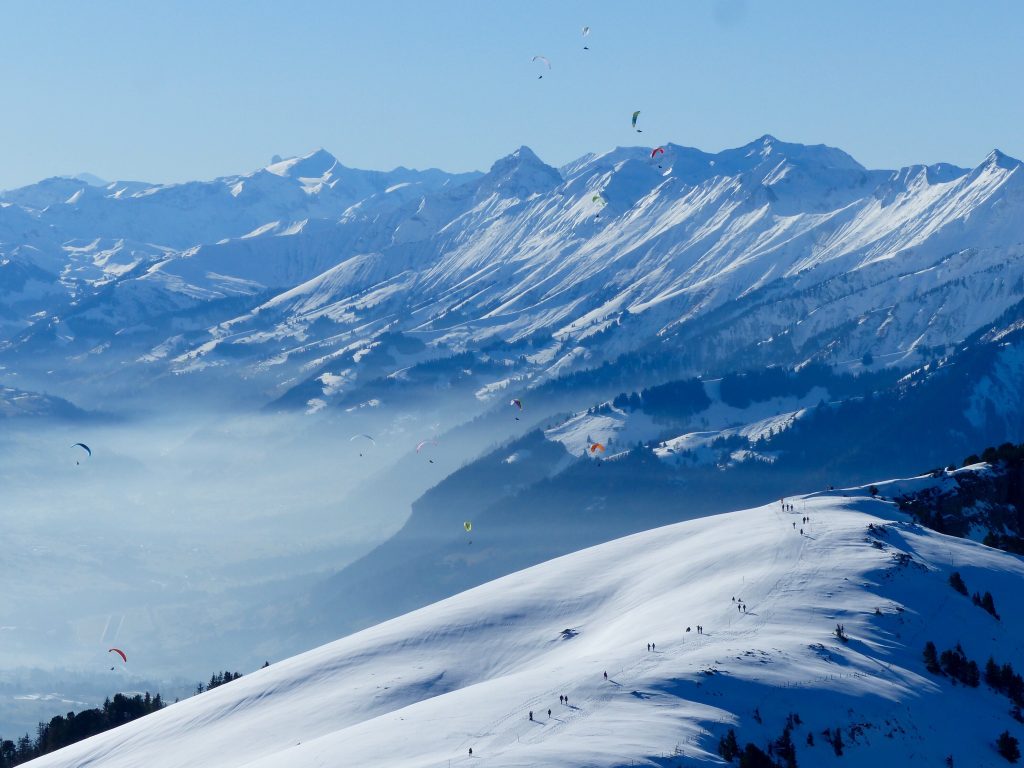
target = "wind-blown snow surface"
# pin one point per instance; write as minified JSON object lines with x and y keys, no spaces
{"x":422,"y":689}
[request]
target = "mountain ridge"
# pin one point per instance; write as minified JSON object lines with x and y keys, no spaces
{"x":826,"y":626}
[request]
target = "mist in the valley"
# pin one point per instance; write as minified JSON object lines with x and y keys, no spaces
{"x":179,"y":540}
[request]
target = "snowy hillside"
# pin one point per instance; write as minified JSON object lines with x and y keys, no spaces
{"x":465,"y":673}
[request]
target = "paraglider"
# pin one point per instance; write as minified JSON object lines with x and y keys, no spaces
{"x":635,"y":116}
{"x":599,"y":199}
{"x":656,"y":150}
{"x":424,"y":443}
{"x":595,"y":447}
{"x":362,"y":437}
{"x":83,"y":446}
{"x":468,"y":526}
{"x":586,"y":33}
{"x":517,"y":403}
{"x":120,"y":653}
{"x":545,"y":61}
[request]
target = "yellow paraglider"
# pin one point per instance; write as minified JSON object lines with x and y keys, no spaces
{"x":468,"y":526}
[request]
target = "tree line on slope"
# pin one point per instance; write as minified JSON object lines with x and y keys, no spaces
{"x":993,"y":501}
{"x":64,"y":730}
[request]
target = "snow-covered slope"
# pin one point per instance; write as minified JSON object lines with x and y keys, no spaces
{"x":423,"y":689}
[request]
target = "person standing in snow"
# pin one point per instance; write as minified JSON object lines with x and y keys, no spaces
{"x":652,"y":646}
{"x":549,"y":713}
{"x":561,"y":699}
{"x":605,"y":675}
{"x":470,"y":751}
{"x":648,"y":646}
{"x":531,"y":715}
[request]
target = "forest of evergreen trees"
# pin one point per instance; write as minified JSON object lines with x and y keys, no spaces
{"x":64,"y":730}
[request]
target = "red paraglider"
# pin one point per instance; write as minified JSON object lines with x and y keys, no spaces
{"x":120,"y":653}
{"x":656,"y":150}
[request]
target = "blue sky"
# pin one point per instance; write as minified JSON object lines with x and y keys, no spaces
{"x":168,"y":91}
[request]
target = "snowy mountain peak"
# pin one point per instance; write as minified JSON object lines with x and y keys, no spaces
{"x":997,"y":159}
{"x":520,"y":174}
{"x":315,"y":165}
{"x":767,"y":148}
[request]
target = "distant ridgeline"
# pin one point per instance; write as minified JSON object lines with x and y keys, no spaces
{"x":64,"y":730}
{"x":990,"y":501}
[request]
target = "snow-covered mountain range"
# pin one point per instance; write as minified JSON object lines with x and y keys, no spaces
{"x":291,"y":276}
{"x":813,"y":623}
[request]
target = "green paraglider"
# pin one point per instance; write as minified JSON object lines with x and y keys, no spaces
{"x":468,"y":526}
{"x":635,"y":116}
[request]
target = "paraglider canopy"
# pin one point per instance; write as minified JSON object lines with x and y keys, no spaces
{"x":598,"y":198}
{"x":468,"y":526}
{"x":120,"y":653}
{"x":544,"y":60}
{"x":424,"y":443}
{"x":656,"y":150}
{"x":635,"y":116}
{"x":84,"y":447}
{"x":596,"y":447}
{"x":517,"y":403}
{"x":362,"y":437}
